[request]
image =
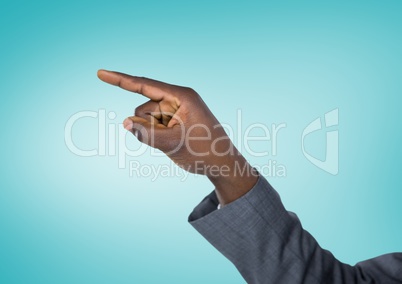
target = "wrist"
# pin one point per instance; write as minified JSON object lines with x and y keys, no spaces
{"x":237,"y":179}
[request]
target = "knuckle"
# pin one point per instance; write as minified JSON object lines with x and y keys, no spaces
{"x":137,"y":111}
{"x":190,"y":92}
{"x":142,"y":134}
{"x":140,"y":83}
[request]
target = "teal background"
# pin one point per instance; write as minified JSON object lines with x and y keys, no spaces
{"x":70,"y":219}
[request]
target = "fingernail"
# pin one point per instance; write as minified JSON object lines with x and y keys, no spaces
{"x":128,"y":124}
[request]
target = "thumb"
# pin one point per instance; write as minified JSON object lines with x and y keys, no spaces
{"x":152,"y":134}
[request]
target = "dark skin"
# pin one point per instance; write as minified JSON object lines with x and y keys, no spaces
{"x":176,"y":121}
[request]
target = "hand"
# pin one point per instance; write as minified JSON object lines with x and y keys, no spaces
{"x":177,"y":121}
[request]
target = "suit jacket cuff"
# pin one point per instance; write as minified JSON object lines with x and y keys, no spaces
{"x":238,"y":229}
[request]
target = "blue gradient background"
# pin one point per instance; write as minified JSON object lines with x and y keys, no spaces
{"x":70,"y":219}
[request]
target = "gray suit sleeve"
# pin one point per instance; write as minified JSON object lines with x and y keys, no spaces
{"x":267,"y":244}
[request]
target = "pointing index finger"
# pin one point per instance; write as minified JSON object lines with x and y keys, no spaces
{"x":152,"y":89}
